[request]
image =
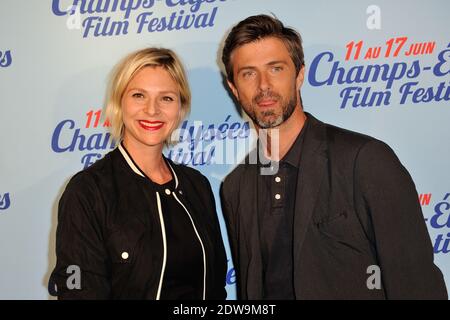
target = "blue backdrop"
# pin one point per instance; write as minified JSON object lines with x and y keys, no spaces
{"x":378,"y":67}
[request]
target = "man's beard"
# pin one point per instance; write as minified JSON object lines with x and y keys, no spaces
{"x":269,"y":118}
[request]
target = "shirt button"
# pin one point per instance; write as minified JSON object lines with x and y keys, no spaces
{"x":180,"y":192}
{"x":277,"y":179}
{"x":278,"y":196}
{"x":125,"y":255}
{"x":167,"y":191}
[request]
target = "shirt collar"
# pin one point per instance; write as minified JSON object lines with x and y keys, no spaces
{"x":292,"y":157}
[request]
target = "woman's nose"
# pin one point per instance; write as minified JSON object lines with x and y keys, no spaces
{"x":152,"y":107}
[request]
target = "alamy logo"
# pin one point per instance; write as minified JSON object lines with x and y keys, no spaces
{"x":5,"y":58}
{"x":4,"y":201}
{"x":374,"y":280}
{"x":73,"y":281}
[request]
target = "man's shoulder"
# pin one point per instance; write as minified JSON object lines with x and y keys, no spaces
{"x":344,"y":147}
{"x":234,"y":176}
{"x":346,"y":138}
{"x":348,"y":144}
{"x":242,"y":168}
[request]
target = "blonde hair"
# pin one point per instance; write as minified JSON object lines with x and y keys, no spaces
{"x":124,"y":72}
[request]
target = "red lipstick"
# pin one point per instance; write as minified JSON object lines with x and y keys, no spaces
{"x":151,"y":125}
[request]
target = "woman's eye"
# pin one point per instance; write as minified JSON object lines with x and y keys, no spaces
{"x":137,"y":95}
{"x":168,"y":99}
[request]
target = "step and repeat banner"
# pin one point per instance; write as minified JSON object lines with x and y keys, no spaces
{"x":377,"y":67}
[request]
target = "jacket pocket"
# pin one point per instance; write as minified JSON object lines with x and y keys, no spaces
{"x":341,"y":228}
{"x":325,"y":222}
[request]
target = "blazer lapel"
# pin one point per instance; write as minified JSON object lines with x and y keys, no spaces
{"x":312,"y":168}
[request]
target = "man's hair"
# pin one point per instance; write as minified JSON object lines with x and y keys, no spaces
{"x":124,"y":72}
{"x":258,"y":27}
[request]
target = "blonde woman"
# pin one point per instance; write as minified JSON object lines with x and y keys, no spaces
{"x":137,"y":225}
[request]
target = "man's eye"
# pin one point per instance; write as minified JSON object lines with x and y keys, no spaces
{"x":247,"y":74}
{"x":277,"y":69}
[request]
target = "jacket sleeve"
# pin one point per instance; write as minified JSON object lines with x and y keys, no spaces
{"x":231,"y":223}
{"x":81,"y":270}
{"x":403,"y":246}
{"x":219,"y":249}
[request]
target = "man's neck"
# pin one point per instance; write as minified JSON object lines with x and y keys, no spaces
{"x":280,"y":139}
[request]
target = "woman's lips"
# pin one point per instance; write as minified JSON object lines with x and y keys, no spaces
{"x":151,"y":125}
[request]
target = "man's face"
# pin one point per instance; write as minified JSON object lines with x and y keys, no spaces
{"x":265,"y":81}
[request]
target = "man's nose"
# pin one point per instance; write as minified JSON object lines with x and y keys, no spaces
{"x":264,"y":82}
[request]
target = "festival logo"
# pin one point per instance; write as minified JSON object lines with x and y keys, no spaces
{"x":197,"y":144}
{"x":5,"y":201}
{"x":200,"y":144}
{"x":398,"y":68}
{"x":5,"y":59}
{"x":440,"y":221}
{"x":91,"y":138}
{"x":114,"y":18}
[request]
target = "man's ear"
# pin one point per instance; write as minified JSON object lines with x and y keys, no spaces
{"x":300,"y":78}
{"x":233,"y":89}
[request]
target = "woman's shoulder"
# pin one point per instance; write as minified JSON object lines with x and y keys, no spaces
{"x":91,"y":176}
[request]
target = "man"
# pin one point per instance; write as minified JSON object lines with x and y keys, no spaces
{"x":340,"y":217}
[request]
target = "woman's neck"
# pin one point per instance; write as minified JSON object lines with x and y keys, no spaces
{"x":150,"y":160}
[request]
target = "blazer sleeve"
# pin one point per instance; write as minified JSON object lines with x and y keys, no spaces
{"x":231,"y":223}
{"x":403,"y":245}
{"x":79,"y":243}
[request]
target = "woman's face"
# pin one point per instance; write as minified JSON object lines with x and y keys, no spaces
{"x":151,"y":108}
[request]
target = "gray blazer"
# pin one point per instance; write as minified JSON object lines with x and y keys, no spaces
{"x":356,"y":206}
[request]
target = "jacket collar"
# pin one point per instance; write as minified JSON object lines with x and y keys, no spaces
{"x":313,"y":163}
{"x":185,"y":188}
{"x":133,"y":166}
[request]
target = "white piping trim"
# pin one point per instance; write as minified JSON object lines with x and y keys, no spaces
{"x":163,"y":231}
{"x":203,"y":248}
{"x":129,"y":161}
{"x":163,"y":228}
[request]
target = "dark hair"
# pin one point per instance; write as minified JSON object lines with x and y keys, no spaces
{"x":255,"y":28}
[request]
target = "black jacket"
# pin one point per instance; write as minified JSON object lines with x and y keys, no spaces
{"x":356,"y":207}
{"x":109,"y":225}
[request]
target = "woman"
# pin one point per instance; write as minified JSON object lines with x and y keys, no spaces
{"x":137,"y":225}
